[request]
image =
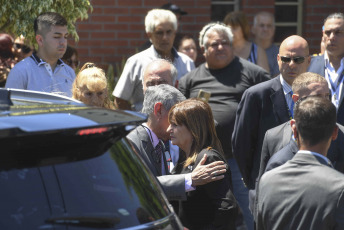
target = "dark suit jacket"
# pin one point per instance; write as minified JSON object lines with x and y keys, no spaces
{"x":210,"y":206}
{"x":318,"y":66}
{"x":173,"y":185}
{"x":262,"y":107}
{"x":304,"y":193}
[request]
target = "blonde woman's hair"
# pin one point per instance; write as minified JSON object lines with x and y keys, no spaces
{"x":94,"y":79}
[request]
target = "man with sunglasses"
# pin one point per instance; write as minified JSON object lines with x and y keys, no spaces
{"x":331,"y":64}
{"x":267,"y":105}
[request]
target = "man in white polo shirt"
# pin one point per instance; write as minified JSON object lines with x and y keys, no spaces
{"x":44,"y":70}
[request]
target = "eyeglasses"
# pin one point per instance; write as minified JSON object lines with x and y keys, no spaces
{"x":297,"y":60}
{"x":326,"y":96}
{"x":25,"y":49}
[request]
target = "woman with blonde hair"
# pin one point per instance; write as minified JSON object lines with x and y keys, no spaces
{"x":192,"y":129}
{"x":90,"y":86}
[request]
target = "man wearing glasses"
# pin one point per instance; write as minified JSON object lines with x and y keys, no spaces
{"x":267,"y":105}
{"x":331,"y":64}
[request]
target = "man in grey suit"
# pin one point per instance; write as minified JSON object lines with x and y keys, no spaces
{"x":146,"y":138}
{"x":306,"y":192}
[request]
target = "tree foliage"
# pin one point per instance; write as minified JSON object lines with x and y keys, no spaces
{"x":17,"y":16}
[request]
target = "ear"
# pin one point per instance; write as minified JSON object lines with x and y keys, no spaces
{"x":295,"y":97}
{"x":149,"y":34}
{"x":176,"y":84}
{"x":335,"y":133}
{"x":39,"y":39}
{"x":278,"y":57}
{"x":158,"y":109}
{"x":293,"y":128}
{"x":203,"y":50}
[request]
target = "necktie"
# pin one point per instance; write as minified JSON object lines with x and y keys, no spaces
{"x":291,"y":106}
{"x":158,"y":151}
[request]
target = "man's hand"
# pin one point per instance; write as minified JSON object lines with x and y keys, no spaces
{"x":203,"y":174}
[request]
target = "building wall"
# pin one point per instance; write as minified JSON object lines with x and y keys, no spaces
{"x":115,"y":28}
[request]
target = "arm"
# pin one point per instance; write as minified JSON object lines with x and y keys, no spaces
{"x":121,"y":104}
{"x":262,"y":59}
{"x":265,"y":155}
{"x":245,"y":134}
{"x":17,"y":79}
{"x":175,"y":185}
{"x":221,"y":197}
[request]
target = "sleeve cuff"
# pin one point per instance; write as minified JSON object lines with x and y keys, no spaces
{"x":188,"y":183}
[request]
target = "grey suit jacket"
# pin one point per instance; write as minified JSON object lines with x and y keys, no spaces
{"x":173,"y":185}
{"x":274,"y":140}
{"x":304,"y":193}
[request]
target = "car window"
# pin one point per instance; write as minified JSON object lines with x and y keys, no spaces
{"x":119,"y":186}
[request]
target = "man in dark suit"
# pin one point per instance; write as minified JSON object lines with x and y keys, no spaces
{"x":331,"y":64}
{"x":306,"y":192}
{"x":265,"y":106}
{"x":147,"y":141}
{"x":306,"y":84}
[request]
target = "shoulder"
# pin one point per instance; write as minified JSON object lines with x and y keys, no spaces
{"x":252,"y":69}
{"x":184,"y":58}
{"x":212,"y":155}
{"x":278,"y":128}
{"x":263,"y":87}
{"x":194,"y":74}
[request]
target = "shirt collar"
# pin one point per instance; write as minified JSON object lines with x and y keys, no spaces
{"x":41,"y":61}
{"x":153,"y":137}
{"x":316,"y":154}
{"x":285,"y":85}
{"x":327,"y":61}
{"x":173,"y":51}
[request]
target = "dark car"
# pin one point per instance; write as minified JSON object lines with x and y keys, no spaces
{"x":64,"y":165}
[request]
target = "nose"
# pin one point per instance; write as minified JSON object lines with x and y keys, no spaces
{"x":169,"y":129}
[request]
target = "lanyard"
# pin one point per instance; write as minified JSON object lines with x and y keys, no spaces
{"x":335,"y":89}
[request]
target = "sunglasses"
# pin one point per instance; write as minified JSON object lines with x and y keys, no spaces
{"x":297,"y":60}
{"x":25,"y":49}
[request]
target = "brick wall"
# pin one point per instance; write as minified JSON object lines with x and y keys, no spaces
{"x":115,"y":28}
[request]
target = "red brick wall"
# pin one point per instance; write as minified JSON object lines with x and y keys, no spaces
{"x":115,"y":28}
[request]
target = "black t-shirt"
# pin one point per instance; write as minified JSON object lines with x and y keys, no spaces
{"x":226,"y":86}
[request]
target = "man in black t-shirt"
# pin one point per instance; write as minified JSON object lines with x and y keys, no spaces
{"x":225,"y":77}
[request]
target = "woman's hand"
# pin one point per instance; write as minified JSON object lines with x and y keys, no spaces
{"x":203,"y":174}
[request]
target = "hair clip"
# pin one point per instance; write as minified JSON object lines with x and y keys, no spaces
{"x":89,"y":66}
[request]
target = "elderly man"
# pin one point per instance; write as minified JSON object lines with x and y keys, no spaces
{"x":331,"y":64}
{"x":264,"y":30}
{"x":267,"y":105}
{"x":223,"y":78}
{"x":161,"y":26}
{"x":44,"y":70}
{"x":306,"y":192}
{"x":147,"y":140}
{"x":159,"y":71}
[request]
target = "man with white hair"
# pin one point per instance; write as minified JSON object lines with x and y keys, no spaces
{"x":223,"y":78}
{"x":161,"y":26}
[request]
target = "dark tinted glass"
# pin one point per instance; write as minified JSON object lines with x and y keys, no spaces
{"x":283,"y":32}
{"x":119,"y":186}
{"x":218,"y":12}
{"x":286,"y":13}
{"x":24,"y":203}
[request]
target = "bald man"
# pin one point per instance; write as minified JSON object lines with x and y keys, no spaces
{"x":159,"y":71}
{"x":267,"y":105}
